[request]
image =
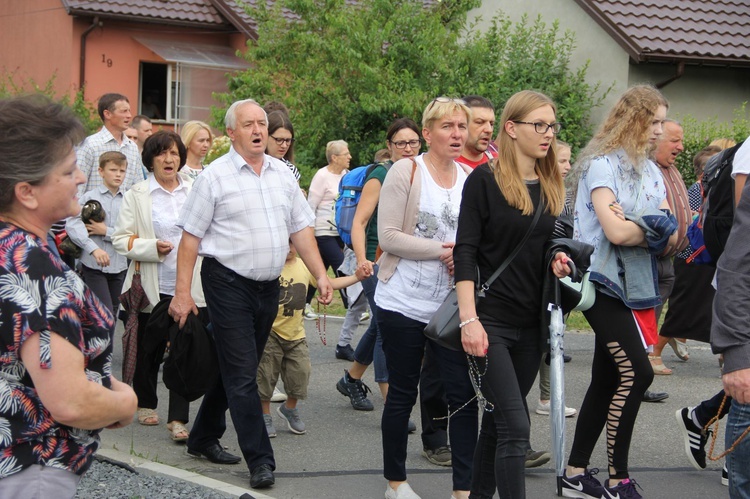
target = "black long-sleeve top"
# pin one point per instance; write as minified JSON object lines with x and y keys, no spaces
{"x":488,"y":231}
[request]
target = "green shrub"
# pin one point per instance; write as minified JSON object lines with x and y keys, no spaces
{"x":698,"y":134}
{"x":12,"y":86}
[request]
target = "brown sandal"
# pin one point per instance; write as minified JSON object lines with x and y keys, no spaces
{"x":179,"y":432}
{"x":658,"y":366}
{"x":147,"y":417}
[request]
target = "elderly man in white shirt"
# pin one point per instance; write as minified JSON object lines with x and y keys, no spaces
{"x":240,"y":216}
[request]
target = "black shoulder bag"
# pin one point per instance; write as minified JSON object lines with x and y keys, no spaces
{"x":443,"y":327}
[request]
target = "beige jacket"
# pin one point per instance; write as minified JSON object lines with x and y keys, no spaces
{"x":398,"y":211}
{"x":135,"y":220}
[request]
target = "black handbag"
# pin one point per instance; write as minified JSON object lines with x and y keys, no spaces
{"x":443,"y":326}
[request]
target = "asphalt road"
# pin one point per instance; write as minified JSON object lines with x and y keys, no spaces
{"x":340,"y":456}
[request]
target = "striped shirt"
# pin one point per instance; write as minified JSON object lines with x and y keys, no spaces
{"x":244,"y":219}
{"x":89,"y":151}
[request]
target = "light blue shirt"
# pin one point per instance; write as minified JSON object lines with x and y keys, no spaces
{"x":79,"y":235}
{"x":632,"y":191}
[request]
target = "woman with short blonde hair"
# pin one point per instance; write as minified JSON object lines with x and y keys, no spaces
{"x":197,"y":137}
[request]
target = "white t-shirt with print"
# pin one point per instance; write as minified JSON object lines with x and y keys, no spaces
{"x":418,"y":287}
{"x":632,"y":191}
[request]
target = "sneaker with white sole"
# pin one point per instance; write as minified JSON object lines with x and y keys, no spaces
{"x":268,"y":420}
{"x":364,"y":317}
{"x":278,"y":395}
{"x":626,"y":489}
{"x":725,"y":475}
{"x":402,"y":492}
{"x":583,"y":486}
{"x":292,"y":418}
{"x":309,"y":314}
{"x":544,"y":409}
{"x":694,"y":436}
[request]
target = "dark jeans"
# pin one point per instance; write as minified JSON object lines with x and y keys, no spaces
{"x":370,"y":346}
{"x":710,"y":408}
{"x":242,"y":313}
{"x":404,"y":345}
{"x":620,"y":375}
{"x":512,"y":365}
{"x":106,"y":287}
{"x":433,"y":404}
{"x":146,"y":376}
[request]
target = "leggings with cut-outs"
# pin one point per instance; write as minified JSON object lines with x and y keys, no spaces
{"x":620,"y":375}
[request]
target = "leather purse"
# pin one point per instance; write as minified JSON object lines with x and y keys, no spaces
{"x":443,"y":326}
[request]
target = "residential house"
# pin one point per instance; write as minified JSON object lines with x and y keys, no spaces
{"x":696,"y":51}
{"x":167,"y":56}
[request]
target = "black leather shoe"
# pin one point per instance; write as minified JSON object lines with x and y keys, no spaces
{"x":215,"y":453}
{"x":262,"y":477}
{"x":567,"y":358}
{"x":650,"y":396}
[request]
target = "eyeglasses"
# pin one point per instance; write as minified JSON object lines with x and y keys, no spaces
{"x":541,"y":128}
{"x":401,"y":144}
{"x":282,"y":141}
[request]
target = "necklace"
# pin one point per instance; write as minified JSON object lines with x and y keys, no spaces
{"x":440,"y":180}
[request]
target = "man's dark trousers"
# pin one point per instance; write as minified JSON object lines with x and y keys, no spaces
{"x":242,"y":312}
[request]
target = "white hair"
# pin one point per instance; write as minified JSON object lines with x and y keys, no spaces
{"x":230,"y":120}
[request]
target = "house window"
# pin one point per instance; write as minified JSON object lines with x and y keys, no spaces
{"x":157,"y":91}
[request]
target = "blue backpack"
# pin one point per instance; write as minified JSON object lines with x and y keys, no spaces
{"x":350,"y":190}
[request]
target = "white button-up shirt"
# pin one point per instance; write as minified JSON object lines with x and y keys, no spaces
{"x":244,"y":219}
{"x":89,"y":151}
{"x":165,"y":211}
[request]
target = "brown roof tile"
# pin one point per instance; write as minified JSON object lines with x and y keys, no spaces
{"x":192,"y":12}
{"x":700,"y":31}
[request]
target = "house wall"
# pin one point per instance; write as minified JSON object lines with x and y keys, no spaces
{"x":113,"y":55}
{"x":702,"y":92}
{"x":608,"y":61}
{"x":51,"y":51}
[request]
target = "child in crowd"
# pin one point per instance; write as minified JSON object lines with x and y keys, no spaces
{"x":102,"y":268}
{"x":286,"y":351}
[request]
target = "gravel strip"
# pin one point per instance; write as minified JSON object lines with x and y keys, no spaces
{"x":106,"y":480}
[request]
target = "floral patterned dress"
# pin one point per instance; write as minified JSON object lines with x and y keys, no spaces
{"x":40,"y":294}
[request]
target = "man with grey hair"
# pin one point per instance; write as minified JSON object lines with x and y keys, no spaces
{"x":668,"y":148}
{"x":240,"y":217}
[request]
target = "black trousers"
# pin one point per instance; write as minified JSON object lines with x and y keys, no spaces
{"x":242,"y":312}
{"x":620,"y":375}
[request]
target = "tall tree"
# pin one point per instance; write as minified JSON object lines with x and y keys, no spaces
{"x":347,"y":69}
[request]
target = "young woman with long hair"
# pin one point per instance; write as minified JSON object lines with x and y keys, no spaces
{"x":615,"y":179}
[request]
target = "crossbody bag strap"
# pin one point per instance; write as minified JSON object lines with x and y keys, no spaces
{"x":539,"y":209}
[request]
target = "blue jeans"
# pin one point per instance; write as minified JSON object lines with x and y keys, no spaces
{"x":404,"y":345}
{"x":370,"y":346}
{"x":242,"y":312}
{"x":738,"y":461}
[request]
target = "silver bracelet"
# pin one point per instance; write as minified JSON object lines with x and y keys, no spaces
{"x":467,"y":321}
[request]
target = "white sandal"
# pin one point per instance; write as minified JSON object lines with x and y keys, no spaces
{"x":178,"y":430}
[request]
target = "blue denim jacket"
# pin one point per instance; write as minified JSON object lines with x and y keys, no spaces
{"x":630,"y":271}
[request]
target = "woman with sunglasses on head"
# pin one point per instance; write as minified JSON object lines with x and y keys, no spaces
{"x":402,"y":141}
{"x":618,"y":190}
{"x":498,"y":210}
{"x":281,"y":140}
{"x":417,"y":220}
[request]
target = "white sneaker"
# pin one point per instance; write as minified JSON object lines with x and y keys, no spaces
{"x":309,"y":314}
{"x":364,"y":317}
{"x":402,"y":492}
{"x":278,"y":395}
{"x":544,"y":409}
